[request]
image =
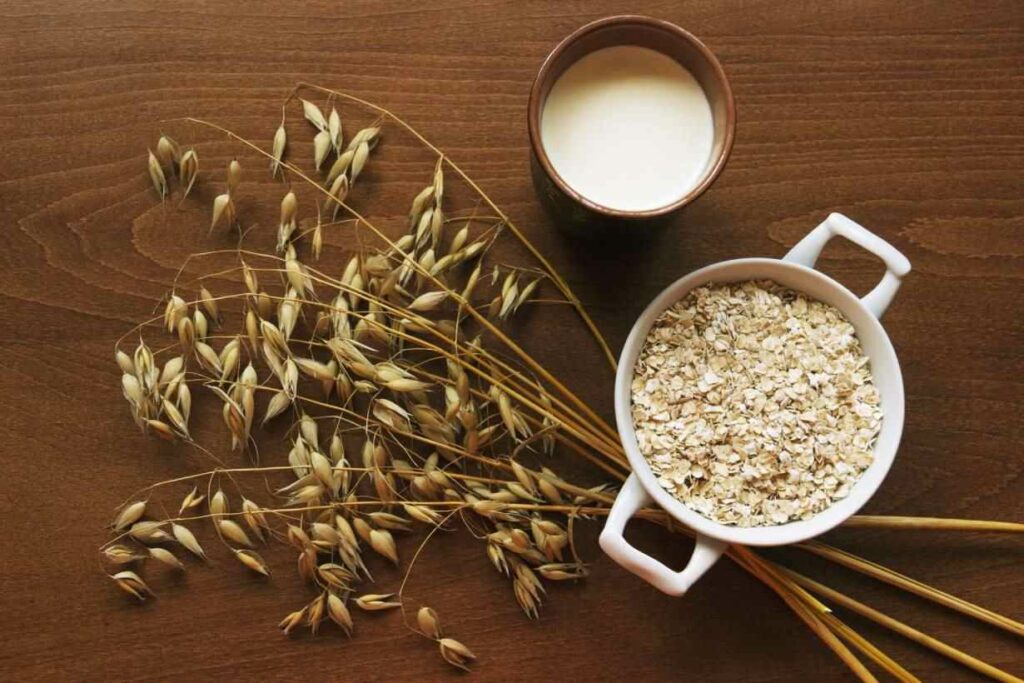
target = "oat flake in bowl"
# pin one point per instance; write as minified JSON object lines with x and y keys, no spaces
{"x":754,"y":404}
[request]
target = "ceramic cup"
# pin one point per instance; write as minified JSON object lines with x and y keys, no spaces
{"x":796,"y":271}
{"x":577,"y":214}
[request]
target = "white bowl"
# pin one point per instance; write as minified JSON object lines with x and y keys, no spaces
{"x":796,"y":271}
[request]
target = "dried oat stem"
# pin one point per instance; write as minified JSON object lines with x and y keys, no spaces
{"x":809,"y":611}
{"x":902,"y":629}
{"x":869,"y":650}
{"x":893,"y":578}
{"x":932,"y":523}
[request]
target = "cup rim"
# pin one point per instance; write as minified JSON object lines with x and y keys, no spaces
{"x":533,"y":116}
{"x":782,"y":534}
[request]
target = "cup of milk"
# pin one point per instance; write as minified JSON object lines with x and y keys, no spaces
{"x":630,"y":119}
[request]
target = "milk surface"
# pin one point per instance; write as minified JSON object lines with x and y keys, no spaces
{"x":628,"y":128}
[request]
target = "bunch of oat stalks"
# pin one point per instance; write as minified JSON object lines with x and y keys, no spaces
{"x":410,"y":404}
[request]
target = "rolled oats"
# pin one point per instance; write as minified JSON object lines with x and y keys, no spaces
{"x":753,"y":404}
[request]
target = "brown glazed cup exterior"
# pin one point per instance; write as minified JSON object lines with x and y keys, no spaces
{"x":575,"y":213}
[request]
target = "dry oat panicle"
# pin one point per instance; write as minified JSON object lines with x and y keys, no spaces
{"x":754,"y":404}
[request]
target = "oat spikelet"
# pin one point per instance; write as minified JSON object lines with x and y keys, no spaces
{"x":208,"y":357}
{"x":422,"y":513}
{"x":202,"y":325}
{"x":292,"y":620}
{"x":223,"y":209}
{"x":121,"y":554}
{"x":339,"y":168}
{"x":183,"y":395}
{"x":492,"y":509}
{"x":298,"y":537}
{"x":277,"y":149}
{"x":167,"y":151}
{"x":186,"y":334}
{"x":219,"y":503}
{"x":148,"y":532}
{"x":335,"y":575}
{"x":563,"y":571}
{"x":321,"y":468}
{"x":345,"y":531}
{"x":188,"y":170}
{"x":317,"y":244}
{"x":455,"y":653}
{"x":384,"y":544}
{"x":315,"y":612}
{"x":368,"y":136}
{"x":386,"y":520}
{"x":339,"y":191}
{"x":132,"y":583}
{"x":129,"y":515}
{"x":176,"y":418}
{"x":527,"y":601}
{"x":524,"y":477}
{"x":362,"y":153}
{"x":166,"y":557}
{"x":253,"y":561}
{"x":209,"y":303}
{"x":325,"y":533}
{"x":497,"y":557}
{"x":230,"y":530}
{"x":187,"y":539}
{"x":428,"y":301}
{"x":289,"y":205}
{"x":306,"y":564}
{"x":124,"y":361}
{"x":234,"y":176}
{"x":338,"y":613}
{"x":428,"y":623}
{"x":175,"y":310}
{"x":255,"y":519}
{"x":314,"y":115}
{"x":321,"y":148}
{"x":334,"y":128}
{"x":172,"y":369}
{"x":156,"y":174}
{"x":375,"y":602}
{"x":549,"y":491}
{"x":459,"y":240}
{"x":403,"y":385}
{"x":279,"y":402}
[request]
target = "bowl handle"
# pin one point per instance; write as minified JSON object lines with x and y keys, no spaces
{"x":631,"y":498}
{"x":808,"y":249}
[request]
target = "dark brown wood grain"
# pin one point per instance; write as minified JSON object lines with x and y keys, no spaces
{"x":907,"y":116}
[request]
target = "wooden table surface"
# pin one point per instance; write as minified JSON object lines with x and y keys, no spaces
{"x":907,"y":116}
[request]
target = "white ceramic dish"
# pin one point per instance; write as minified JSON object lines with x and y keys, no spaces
{"x":796,"y":271}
